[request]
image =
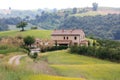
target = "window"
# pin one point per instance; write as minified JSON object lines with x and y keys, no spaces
{"x":67,"y":37}
{"x":75,"y":37}
{"x":64,"y":37}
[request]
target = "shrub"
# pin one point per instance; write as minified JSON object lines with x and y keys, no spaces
{"x":28,"y":40}
{"x":107,"y":53}
{"x":33,"y":56}
{"x":74,"y":49}
{"x":34,"y":27}
{"x":53,"y":48}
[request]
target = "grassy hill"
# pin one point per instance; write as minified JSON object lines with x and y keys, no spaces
{"x":66,"y":66}
{"x":44,"y":34}
{"x":89,"y":68}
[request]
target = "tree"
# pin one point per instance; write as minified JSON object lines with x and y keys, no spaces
{"x":21,"y":25}
{"x":29,"y":40}
{"x":33,"y":56}
{"x":88,"y":43}
{"x":74,"y":10}
{"x":95,"y":6}
{"x":94,"y":43}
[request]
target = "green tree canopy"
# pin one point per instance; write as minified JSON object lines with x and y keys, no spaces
{"x":22,"y":24}
{"x":29,"y":40}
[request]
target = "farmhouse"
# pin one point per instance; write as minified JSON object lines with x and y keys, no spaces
{"x":69,"y":37}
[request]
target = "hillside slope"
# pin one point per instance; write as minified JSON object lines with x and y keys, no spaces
{"x":106,"y":27}
{"x":44,"y":34}
{"x":88,"y":68}
{"x":103,"y":23}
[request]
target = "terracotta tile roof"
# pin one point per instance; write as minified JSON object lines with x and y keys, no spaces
{"x":68,"y":32}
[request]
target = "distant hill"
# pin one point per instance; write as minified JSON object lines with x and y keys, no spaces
{"x":106,"y":27}
{"x":109,"y":10}
{"x":103,"y":23}
{"x":31,"y":14}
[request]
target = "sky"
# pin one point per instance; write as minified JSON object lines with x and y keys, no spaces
{"x":59,"y":4}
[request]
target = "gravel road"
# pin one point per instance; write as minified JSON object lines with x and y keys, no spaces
{"x":15,"y":59}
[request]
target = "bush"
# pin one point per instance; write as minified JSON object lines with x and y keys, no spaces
{"x":29,"y":40}
{"x":53,"y":48}
{"x":111,"y":54}
{"x":74,"y":49}
{"x":34,"y":28}
{"x":33,"y":56}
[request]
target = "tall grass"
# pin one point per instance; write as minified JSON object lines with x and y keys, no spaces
{"x":11,"y":72}
{"x":4,"y":49}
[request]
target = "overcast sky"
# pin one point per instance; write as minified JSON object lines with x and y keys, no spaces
{"x":35,"y":4}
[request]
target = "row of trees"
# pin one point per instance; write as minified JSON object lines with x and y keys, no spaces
{"x":106,"y":49}
{"x":100,"y":52}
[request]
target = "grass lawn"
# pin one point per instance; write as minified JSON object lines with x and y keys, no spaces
{"x":11,"y":72}
{"x":71,"y":65}
{"x":44,"y":34}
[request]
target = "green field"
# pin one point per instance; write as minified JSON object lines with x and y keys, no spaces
{"x":44,"y":34}
{"x":70,"y":65}
{"x":66,"y":66}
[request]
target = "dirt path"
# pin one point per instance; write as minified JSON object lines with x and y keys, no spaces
{"x":42,"y":67}
{"x":15,"y":59}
